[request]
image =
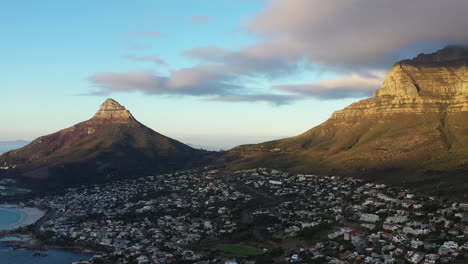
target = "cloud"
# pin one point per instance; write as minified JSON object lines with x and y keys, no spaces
{"x":139,"y":47}
{"x":147,"y":34}
{"x":210,"y":54}
{"x":153,"y":59}
{"x":249,"y":62}
{"x":128,"y":81}
{"x":198,"y":81}
{"x":357,"y":33}
{"x":358,"y":39}
{"x":200,"y":20}
{"x":345,"y":35}
{"x":218,"y":86}
{"x":276,"y":99}
{"x":354,"y":85}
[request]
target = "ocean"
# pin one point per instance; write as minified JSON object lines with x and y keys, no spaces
{"x":10,"y":255}
{"x":8,"y":217}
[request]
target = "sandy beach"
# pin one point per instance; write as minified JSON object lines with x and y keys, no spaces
{"x":29,"y":216}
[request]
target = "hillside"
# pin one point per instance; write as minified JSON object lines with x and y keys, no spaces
{"x":110,"y":144}
{"x":414,"y":129}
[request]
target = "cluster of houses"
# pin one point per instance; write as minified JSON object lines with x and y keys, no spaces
{"x":171,"y":218}
{"x":152,"y":219}
{"x":6,"y":166}
{"x":365,"y":222}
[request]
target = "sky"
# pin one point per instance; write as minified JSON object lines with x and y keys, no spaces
{"x":210,"y":73}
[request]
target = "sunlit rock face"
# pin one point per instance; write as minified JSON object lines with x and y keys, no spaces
{"x":112,"y":111}
{"x":428,"y":83}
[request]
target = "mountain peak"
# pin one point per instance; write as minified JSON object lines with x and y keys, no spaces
{"x":111,"y":104}
{"x":111,"y":143}
{"x":114,"y":112}
{"x":447,"y":54}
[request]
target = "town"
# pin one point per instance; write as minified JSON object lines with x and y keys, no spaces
{"x":254,"y":216}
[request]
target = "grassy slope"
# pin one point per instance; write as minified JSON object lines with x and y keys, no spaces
{"x":418,"y":149}
{"x":239,"y":250}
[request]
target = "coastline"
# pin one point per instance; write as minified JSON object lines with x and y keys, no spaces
{"x":29,"y":216}
{"x":31,"y":249}
{"x":29,"y":242}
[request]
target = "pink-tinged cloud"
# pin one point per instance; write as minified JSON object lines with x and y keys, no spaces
{"x":354,"y":85}
{"x":356,"y":33}
{"x":127,"y":81}
{"x":208,"y":81}
{"x":276,"y":99}
{"x":152,"y":59}
{"x":198,"y":81}
{"x":210,"y":54}
{"x":354,"y":37}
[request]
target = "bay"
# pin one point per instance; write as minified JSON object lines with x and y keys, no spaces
{"x":8,"y":217}
{"x":12,"y":255}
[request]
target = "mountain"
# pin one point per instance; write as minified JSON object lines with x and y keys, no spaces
{"x":413,"y":130}
{"x":110,"y":144}
{"x":10,"y":145}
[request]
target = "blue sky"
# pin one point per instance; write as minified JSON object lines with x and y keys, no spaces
{"x":202,"y":71}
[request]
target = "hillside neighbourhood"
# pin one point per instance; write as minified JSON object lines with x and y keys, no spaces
{"x":254,"y":216}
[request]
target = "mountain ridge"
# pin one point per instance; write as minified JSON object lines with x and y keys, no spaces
{"x":416,"y":123}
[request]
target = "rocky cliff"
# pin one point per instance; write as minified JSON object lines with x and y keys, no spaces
{"x":428,"y":83}
{"x":112,"y":111}
{"x":416,"y":123}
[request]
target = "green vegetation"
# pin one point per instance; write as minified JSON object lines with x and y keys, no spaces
{"x":239,"y":250}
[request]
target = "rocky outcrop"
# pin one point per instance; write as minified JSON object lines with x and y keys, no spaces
{"x":112,"y":111}
{"x":428,"y":83}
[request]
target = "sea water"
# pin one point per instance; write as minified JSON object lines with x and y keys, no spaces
{"x":9,"y":239}
{"x":8,"y":217}
{"x":10,"y":255}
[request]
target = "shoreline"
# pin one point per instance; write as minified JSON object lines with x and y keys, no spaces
{"x":34,"y":246}
{"x":28,"y":242}
{"x":28,"y":216}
